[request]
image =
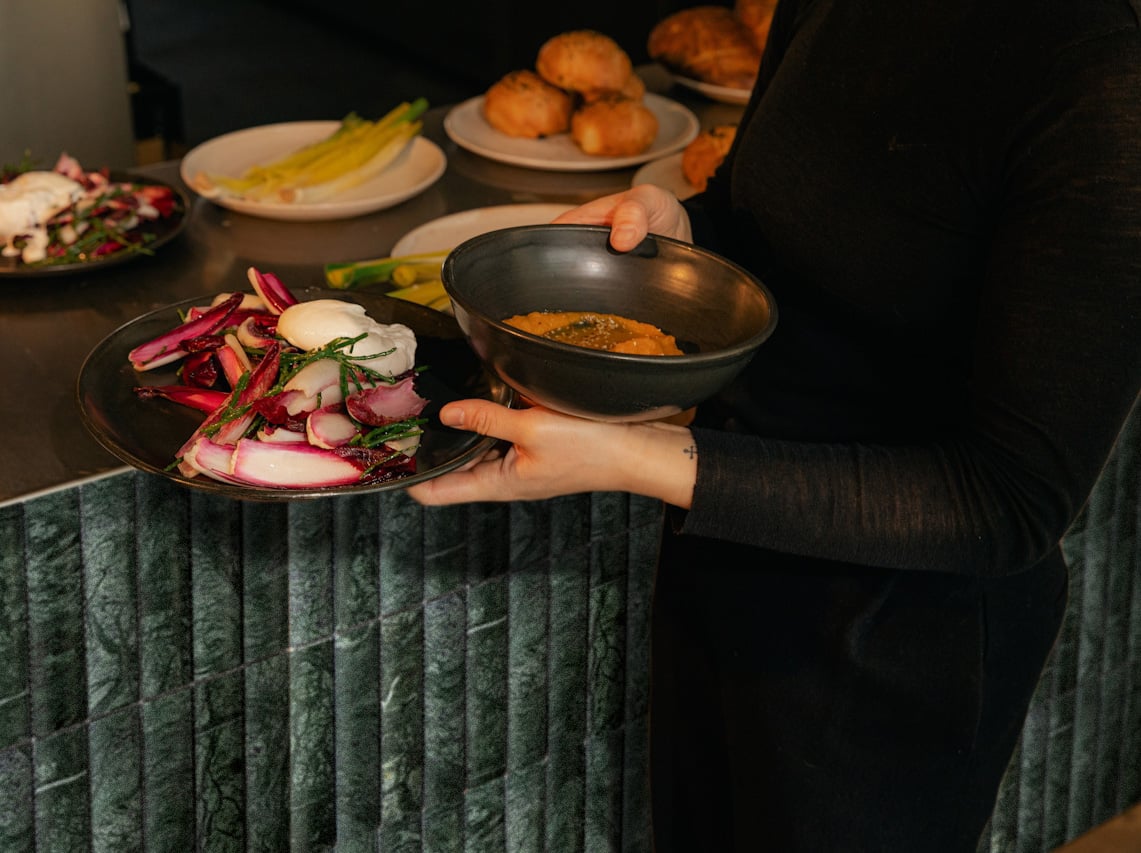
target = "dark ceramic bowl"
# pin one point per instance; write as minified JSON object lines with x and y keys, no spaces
{"x":717,"y":311}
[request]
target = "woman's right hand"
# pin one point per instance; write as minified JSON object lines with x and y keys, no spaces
{"x":632,"y":214}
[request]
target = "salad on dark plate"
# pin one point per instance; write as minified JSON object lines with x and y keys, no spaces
{"x":68,"y":217}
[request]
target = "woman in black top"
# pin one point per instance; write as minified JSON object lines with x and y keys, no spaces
{"x":865,"y":580}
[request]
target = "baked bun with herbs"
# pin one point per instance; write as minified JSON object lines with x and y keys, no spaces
{"x":614,"y":126}
{"x":523,"y":104}
{"x":584,"y":61}
{"x":709,"y":44}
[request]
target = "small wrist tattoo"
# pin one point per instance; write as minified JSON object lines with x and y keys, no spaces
{"x":691,"y":451}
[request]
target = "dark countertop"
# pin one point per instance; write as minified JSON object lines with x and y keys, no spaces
{"x":49,"y":324}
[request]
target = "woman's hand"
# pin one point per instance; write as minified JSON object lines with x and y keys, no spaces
{"x":632,"y":214}
{"x":552,"y":454}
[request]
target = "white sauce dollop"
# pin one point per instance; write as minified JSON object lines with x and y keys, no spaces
{"x":27,"y":202}
{"x":309,"y":325}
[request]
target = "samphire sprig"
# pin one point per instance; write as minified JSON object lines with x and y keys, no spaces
{"x":337,"y":349}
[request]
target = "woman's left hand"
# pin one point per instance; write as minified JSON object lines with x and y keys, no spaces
{"x":552,"y":454}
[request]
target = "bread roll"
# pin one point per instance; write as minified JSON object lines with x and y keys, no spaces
{"x":700,"y":159}
{"x":757,"y":16}
{"x":584,"y":61}
{"x":707,"y":43}
{"x":523,"y":104}
{"x":614,"y":127}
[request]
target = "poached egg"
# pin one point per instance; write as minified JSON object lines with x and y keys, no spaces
{"x":309,"y":325}
{"x":27,"y":203}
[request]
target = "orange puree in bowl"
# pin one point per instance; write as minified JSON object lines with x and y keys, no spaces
{"x":597,"y":331}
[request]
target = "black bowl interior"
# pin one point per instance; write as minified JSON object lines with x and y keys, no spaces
{"x":709,"y":304}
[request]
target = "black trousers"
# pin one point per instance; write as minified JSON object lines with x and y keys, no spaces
{"x":801,"y":706}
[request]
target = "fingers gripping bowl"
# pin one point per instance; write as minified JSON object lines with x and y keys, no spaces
{"x":718,"y":312}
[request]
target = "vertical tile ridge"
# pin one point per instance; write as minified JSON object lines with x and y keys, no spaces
{"x":548,"y":652}
{"x":192,"y":649}
{"x":1127,"y":792}
{"x":25,"y":562}
{"x":141,"y":686}
{"x":27,"y":626}
{"x":242,"y":664}
{"x":331,"y":522}
{"x":424,"y":645}
{"x":1074,"y":625}
{"x":1110,"y":689}
{"x":290,"y":660}
{"x":85,"y":618}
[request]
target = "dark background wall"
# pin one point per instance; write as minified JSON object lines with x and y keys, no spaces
{"x":230,"y":64}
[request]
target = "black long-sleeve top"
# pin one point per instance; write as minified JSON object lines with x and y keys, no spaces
{"x":945,"y":198}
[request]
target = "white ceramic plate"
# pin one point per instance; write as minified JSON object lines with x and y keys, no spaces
{"x":447,"y":232}
{"x":418,"y":167}
{"x":467,"y":127}
{"x":667,"y":174}
{"x":724,"y":94}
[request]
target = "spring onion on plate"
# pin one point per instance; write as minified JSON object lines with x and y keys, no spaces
{"x":357,"y":151}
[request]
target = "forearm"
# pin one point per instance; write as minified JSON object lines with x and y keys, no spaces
{"x":657,"y":460}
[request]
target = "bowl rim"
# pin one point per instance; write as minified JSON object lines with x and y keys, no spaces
{"x":709,"y":357}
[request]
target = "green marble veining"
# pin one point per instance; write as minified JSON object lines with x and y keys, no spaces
{"x":603,"y":809}
{"x":61,"y":768}
{"x":168,"y":775}
{"x":14,"y":708}
{"x":57,"y":679}
{"x":487,"y":546}
{"x":312,"y":809}
{"x":116,"y":759}
{"x":219,"y":746}
{"x":17,"y":803}
{"x":445,"y":627}
{"x":486,"y":694}
{"x":215,"y":585}
{"x":165,"y":603}
{"x":401,"y":557}
{"x":525,"y":798}
{"x":484,"y":820}
{"x":444,"y":550}
{"x":266,"y":580}
{"x":568,"y":617}
{"x":310,"y":571}
{"x":401,"y":729}
{"x":356,"y":705}
{"x":110,"y":595}
{"x":355,"y":534}
{"x":183,"y":672}
{"x":267,"y":760}
{"x":528,"y":666}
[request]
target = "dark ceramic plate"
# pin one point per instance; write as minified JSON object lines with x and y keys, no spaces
{"x":162,"y":231}
{"x":147,"y":433}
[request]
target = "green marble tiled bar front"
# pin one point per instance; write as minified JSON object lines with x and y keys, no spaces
{"x":184,"y":672}
{"x":181,"y":672}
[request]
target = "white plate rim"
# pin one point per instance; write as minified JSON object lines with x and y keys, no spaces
{"x":417,"y":168}
{"x":665,"y":173}
{"x":467,"y":128}
{"x":724,"y":94}
{"x":506,"y":215}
